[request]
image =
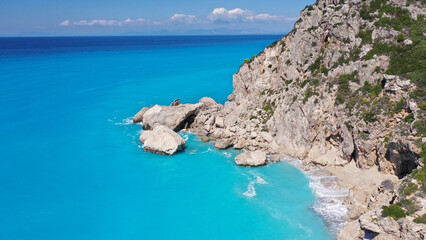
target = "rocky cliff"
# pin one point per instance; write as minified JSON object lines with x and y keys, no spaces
{"x":347,"y":84}
{"x":344,"y":89}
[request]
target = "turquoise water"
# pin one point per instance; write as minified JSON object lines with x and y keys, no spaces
{"x":71,"y":166}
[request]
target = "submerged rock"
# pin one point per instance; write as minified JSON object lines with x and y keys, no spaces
{"x":162,"y":140}
{"x":173,"y":117}
{"x":251,"y":159}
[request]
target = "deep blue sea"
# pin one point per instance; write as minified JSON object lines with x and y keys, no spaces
{"x":71,"y":166}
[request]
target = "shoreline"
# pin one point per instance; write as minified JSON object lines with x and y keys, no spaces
{"x":331,"y":193}
{"x":328,"y":192}
{"x":341,"y":194}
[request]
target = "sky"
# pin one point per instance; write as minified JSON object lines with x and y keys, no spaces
{"x":143,"y":17}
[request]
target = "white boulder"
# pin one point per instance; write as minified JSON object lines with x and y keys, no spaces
{"x":162,"y":140}
{"x":251,"y":159}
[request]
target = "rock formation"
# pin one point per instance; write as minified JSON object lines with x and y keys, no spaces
{"x":174,"y":117}
{"x":139,"y":116}
{"x":251,"y":159}
{"x":162,"y":140}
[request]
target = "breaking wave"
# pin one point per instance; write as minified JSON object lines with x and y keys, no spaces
{"x":328,"y":194}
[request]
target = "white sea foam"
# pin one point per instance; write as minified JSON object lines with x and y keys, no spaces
{"x":251,"y":191}
{"x":328,"y":194}
{"x":208,"y":150}
{"x":260,"y":180}
{"x":126,"y":121}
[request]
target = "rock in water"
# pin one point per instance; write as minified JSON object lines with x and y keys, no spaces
{"x":223,"y":144}
{"x":139,"y":116}
{"x":251,"y":159}
{"x":176,"y":102}
{"x":162,"y":140}
{"x":173,"y":117}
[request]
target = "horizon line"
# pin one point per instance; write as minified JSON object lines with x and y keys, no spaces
{"x":142,"y":35}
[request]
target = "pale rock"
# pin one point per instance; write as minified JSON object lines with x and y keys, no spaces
{"x":350,"y":231}
{"x":175,"y":117}
{"x":162,"y":140}
{"x":219,"y":122}
{"x":223,"y":144}
{"x":207,"y":101}
{"x":241,"y":143}
{"x":366,"y":222}
{"x":139,"y":116}
{"x":408,"y":42}
{"x":251,"y":159}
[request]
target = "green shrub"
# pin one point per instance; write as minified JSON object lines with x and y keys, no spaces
{"x":394,"y":211}
{"x":400,"y":37}
{"x":343,"y":90}
{"x":409,"y":188}
{"x":420,"y":126}
{"x":399,"y":106}
{"x":409,"y":118}
{"x":309,"y":93}
{"x":417,"y":94}
{"x":371,"y":90}
{"x":310,"y":8}
{"x":421,"y":219}
{"x":422,"y":106}
{"x":377,"y":69}
{"x":370,"y":116}
{"x":366,"y":36}
{"x":246,"y":60}
{"x":303,"y":84}
{"x":408,"y":205}
{"x":316,"y":65}
{"x":324,"y":70}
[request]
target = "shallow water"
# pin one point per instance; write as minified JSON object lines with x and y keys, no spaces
{"x":71,"y":166}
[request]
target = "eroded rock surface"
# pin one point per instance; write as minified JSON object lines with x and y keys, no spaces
{"x":173,"y":117}
{"x":162,"y":140}
{"x":251,"y":159}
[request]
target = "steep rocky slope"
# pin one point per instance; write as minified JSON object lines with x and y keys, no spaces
{"x":347,"y":84}
{"x":344,"y":91}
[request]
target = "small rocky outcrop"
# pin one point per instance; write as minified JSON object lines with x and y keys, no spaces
{"x":251,"y":159}
{"x":162,"y":140}
{"x":139,"y":116}
{"x":173,"y":117}
{"x":176,"y":102}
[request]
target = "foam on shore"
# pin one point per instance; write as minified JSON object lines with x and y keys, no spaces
{"x":328,"y":194}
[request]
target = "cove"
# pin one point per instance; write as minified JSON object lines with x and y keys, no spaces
{"x":71,"y":166}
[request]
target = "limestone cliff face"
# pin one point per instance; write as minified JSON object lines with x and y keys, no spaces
{"x":292,"y":89}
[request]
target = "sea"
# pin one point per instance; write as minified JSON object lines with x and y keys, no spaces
{"x":71,"y":165}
